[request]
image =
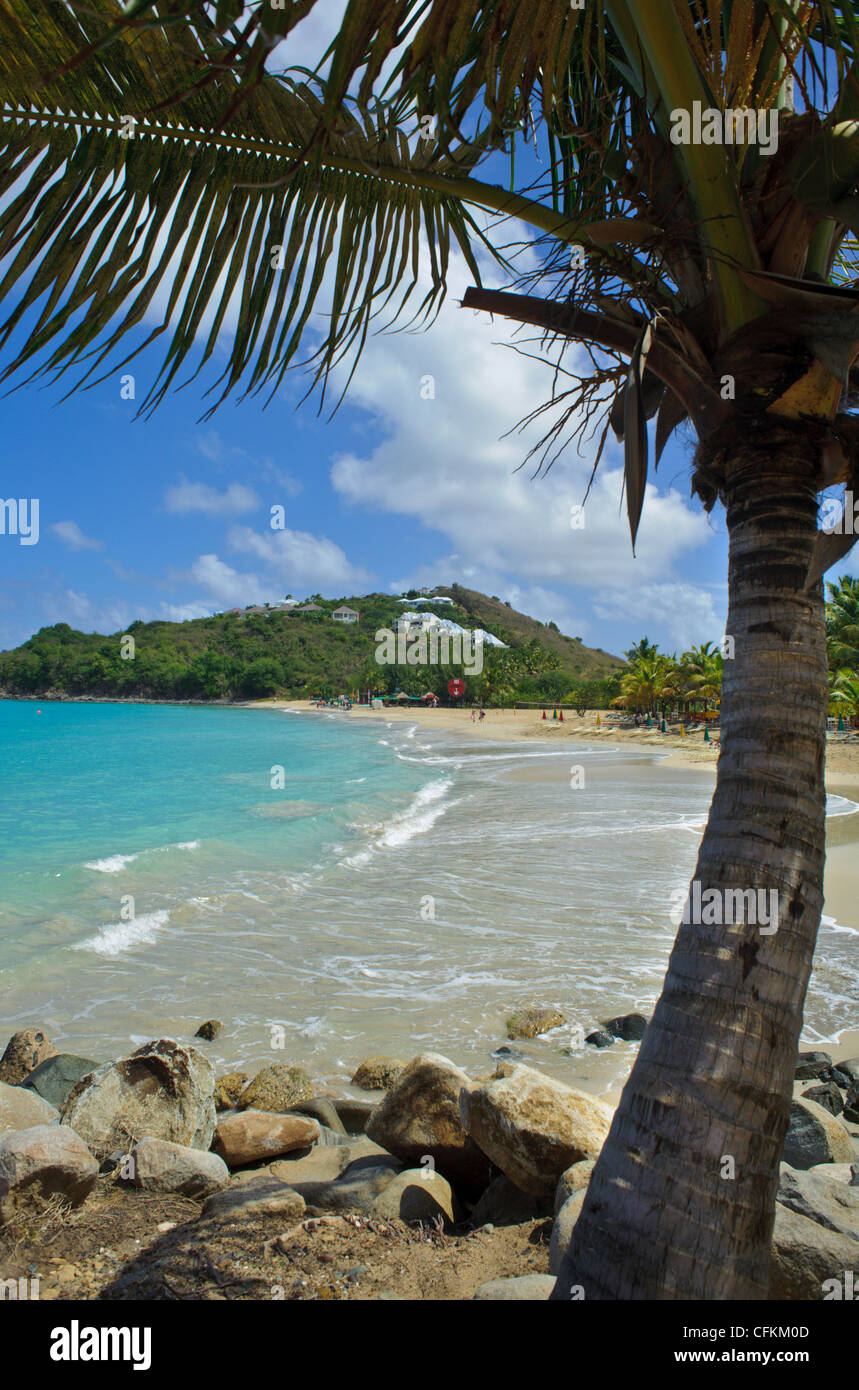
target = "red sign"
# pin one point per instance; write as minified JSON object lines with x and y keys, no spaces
{"x":456,"y":687}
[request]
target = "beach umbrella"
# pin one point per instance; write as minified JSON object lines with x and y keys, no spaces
{"x":706,"y":734}
{"x":841,"y":724}
{"x":649,"y":722}
{"x":664,"y":725}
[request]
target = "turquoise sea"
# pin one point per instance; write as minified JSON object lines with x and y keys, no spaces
{"x":333,"y":890}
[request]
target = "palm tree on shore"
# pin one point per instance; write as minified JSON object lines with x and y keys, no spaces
{"x":710,"y":282}
{"x":842,"y":623}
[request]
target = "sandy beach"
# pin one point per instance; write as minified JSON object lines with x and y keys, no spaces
{"x":842,"y":758}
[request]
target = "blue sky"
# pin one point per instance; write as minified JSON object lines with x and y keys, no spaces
{"x":171,"y":517}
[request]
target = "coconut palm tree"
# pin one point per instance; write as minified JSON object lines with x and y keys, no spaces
{"x":842,"y":623}
{"x":702,"y":669}
{"x":844,"y":691}
{"x":647,"y":686}
{"x":706,"y":266}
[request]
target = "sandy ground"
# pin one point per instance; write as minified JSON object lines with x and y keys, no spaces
{"x":842,"y":756}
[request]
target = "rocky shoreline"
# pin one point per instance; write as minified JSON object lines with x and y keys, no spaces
{"x":151,"y":1177}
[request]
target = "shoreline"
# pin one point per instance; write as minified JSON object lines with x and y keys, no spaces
{"x":506,"y":725}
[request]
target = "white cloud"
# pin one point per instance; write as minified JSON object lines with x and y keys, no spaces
{"x":443,"y":461}
{"x":199,"y":497}
{"x":300,"y":560}
{"x":685,"y":613}
{"x":73,"y":537}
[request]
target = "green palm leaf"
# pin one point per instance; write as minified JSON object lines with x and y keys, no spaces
{"x":115,"y":196}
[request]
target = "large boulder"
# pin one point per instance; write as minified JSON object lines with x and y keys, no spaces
{"x":245,"y":1136}
{"x":265,"y":1196}
{"x":562,"y":1229}
{"x":228,"y":1088}
{"x":846,"y":1074}
{"x":420,"y":1118}
{"x":356,"y":1189}
{"x":851,"y":1106}
{"x":815,"y":1136}
{"x":827,"y":1201}
{"x":54,"y":1078}
{"x":576,"y":1177}
{"x":417,"y":1195}
{"x":378,"y":1073}
{"x":524,"y":1288}
{"x":324,"y":1110}
{"x":24,"y":1052}
{"x":627,"y":1027}
{"x":325,"y":1162}
{"x":20,"y":1109}
{"x":527,"y":1023}
{"x":163,"y":1090}
{"x":533,"y":1127}
{"x":276,"y":1088}
{"x":156,"y":1165}
{"x":813,"y":1066}
{"x":805,"y":1255}
{"x":41,"y":1163}
{"x":827,"y":1094}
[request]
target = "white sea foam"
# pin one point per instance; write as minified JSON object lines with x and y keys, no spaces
{"x":426,"y":808}
{"x":117,"y":937}
{"x":115,"y":863}
{"x":831,"y":923}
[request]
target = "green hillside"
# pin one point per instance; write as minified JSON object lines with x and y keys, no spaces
{"x":259,"y":653}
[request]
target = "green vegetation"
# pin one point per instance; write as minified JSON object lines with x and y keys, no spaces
{"x":257,"y":654}
{"x":842,"y":646}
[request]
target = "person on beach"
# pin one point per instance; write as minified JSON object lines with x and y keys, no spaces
{"x":473,"y":713}
{"x":483,"y":714}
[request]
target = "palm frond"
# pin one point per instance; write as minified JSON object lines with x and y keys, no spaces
{"x":103,"y":197}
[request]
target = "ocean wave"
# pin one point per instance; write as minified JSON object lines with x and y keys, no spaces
{"x":834,"y":926}
{"x":117,"y":937}
{"x":841,"y":806}
{"x":115,"y":863}
{"x":426,"y":808}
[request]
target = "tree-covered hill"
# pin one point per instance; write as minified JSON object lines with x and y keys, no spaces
{"x":275,"y":651}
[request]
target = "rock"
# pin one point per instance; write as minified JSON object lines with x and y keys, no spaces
{"x":503,"y":1204}
{"x":24,"y":1052}
{"x":846,"y":1074}
{"x":835,"y":1172}
{"x":228,"y":1088}
{"x":276,"y":1088}
{"x":533,"y":1127}
{"x":527,"y":1023}
{"x":805,"y":1254}
{"x":828,"y":1202}
{"x":264,"y":1196}
{"x":210,"y":1029}
{"x":508,"y":1054}
{"x":159,"y":1166}
{"x":20,"y":1109}
{"x":324,"y":1164}
{"x":827,"y":1095}
{"x":354,"y":1114}
{"x":356,"y":1189}
{"x":164,"y":1090}
{"x":600,"y":1038}
{"x":851,"y":1106}
{"x":814,"y":1136}
{"x":627,"y":1027}
{"x":378,"y":1073}
{"x":573,"y":1179}
{"x":54,"y":1078}
{"x":420,"y":1117}
{"x":244,"y":1136}
{"x":417,"y":1195}
{"x":42,"y":1162}
{"x":813,"y":1066}
{"x":524,"y":1288}
{"x":562,"y":1230}
{"x":323,"y":1110}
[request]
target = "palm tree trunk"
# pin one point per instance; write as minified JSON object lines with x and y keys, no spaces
{"x":663,"y":1218}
